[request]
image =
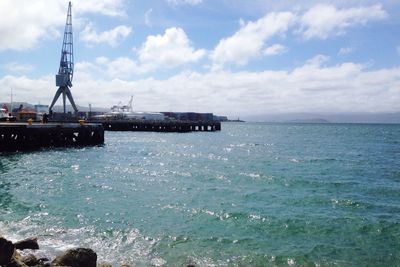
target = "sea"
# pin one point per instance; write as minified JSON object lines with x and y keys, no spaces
{"x":253,"y":194}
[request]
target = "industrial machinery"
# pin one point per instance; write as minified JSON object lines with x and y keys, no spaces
{"x":66,"y":70}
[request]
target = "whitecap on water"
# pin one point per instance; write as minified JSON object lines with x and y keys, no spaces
{"x":254,"y":217}
{"x":251,"y":175}
{"x":75,"y":167}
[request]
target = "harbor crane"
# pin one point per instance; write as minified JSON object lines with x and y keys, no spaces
{"x":66,"y":69}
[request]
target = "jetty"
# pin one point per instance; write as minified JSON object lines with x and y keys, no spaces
{"x":161,"y":126}
{"x":124,"y":118}
{"x":32,"y":136}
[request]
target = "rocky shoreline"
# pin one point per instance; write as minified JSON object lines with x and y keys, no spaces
{"x":10,"y":256}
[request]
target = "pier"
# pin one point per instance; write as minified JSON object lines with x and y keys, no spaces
{"x":25,"y":137}
{"x":161,"y":126}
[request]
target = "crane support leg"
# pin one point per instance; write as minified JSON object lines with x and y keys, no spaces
{"x":58,"y":93}
{"x":64,"y":101}
{"x":71,"y":100}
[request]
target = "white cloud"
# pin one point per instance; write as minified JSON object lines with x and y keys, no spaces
{"x":25,"y":23}
{"x":172,"y":49}
{"x":26,"y":89}
{"x":317,"y":60}
{"x":345,"y":51}
{"x":312,"y":87}
{"x":147,"y":19}
{"x":248,"y":42}
{"x":169,"y":50}
{"x":119,"y":68}
{"x":112,"y":37}
{"x":17,"y":67}
{"x":323,"y":21}
{"x":112,"y":8}
{"x":184,"y":2}
{"x":276,"y":49}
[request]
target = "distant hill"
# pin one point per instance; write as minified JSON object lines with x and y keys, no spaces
{"x":327,"y":117}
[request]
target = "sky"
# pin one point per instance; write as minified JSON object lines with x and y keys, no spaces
{"x":231,"y":57}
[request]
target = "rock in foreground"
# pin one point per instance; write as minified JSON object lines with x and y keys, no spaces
{"x":6,"y":251}
{"x":76,"y":258}
{"x":29,"y":243}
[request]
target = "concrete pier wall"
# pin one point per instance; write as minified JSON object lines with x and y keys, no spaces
{"x":25,"y":137}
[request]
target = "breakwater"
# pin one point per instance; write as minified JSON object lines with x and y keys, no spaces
{"x":26,"y":136}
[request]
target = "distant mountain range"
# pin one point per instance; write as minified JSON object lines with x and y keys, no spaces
{"x":327,"y":117}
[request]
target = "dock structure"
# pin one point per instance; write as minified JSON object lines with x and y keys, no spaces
{"x":26,"y":137}
{"x":161,"y":126}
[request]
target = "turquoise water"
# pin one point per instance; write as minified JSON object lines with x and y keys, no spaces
{"x":250,"y":195}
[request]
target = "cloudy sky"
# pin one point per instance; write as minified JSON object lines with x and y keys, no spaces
{"x":230,"y":57}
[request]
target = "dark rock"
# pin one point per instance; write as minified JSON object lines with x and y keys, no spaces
{"x":6,"y":251}
{"x":15,"y":262}
{"x":42,"y":260}
{"x":78,"y":257}
{"x":30,"y":260}
{"x":29,"y":243}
